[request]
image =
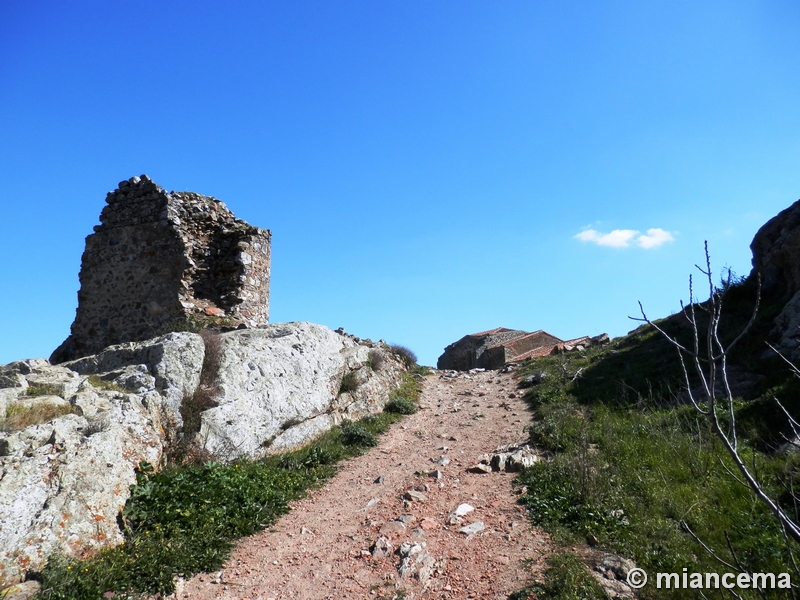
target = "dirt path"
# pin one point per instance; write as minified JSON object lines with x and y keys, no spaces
{"x":322,"y":548}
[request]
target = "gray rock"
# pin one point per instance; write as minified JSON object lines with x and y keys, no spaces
{"x":289,"y":374}
{"x":416,"y":561}
{"x":454,"y":518}
{"x":776,"y":257}
{"x":381,"y":548}
{"x":480,"y":468}
{"x":498,"y":462}
{"x":278,"y":385}
{"x":61,"y":488}
{"x":462,"y":509}
{"x":174,"y":361}
{"x":511,"y":458}
{"x":21,"y":591}
{"x":521,"y":459}
{"x":611,"y":571}
{"x":393,"y":528}
{"x":411,"y":548}
{"x":472,"y":528}
{"x":415,"y":496}
{"x":534,"y":379}
{"x":407,"y":519}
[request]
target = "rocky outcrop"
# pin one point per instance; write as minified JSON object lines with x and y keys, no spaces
{"x":161,"y":259}
{"x":776,"y":257}
{"x":73,"y":435}
{"x":776,"y":253}
{"x":280,"y":387}
{"x":170,"y":364}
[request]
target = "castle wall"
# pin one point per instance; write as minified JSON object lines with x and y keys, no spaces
{"x":160,"y":259}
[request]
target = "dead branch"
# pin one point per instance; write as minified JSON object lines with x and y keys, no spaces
{"x":710,"y":366}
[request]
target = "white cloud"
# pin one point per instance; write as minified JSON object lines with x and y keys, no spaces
{"x":654,"y":238}
{"x":619,"y":238}
{"x":623,"y":238}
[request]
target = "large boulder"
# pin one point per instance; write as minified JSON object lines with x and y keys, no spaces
{"x":73,"y":435}
{"x":776,"y":257}
{"x":280,"y":387}
{"x":173,"y":361}
{"x":776,"y":253}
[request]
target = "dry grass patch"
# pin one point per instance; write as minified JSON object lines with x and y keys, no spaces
{"x":42,"y":389}
{"x":19,"y":415}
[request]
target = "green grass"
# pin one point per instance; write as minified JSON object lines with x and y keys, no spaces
{"x":630,"y":464}
{"x":184,"y":519}
{"x":566,"y":578}
{"x":103,"y":384}
{"x":43,"y":389}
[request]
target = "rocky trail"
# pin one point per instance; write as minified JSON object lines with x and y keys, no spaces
{"x":412,"y":518}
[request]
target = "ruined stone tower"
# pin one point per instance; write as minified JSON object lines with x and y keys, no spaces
{"x":161,"y":259}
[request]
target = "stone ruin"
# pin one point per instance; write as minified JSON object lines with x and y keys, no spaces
{"x":162,"y":261}
{"x":500,"y":346}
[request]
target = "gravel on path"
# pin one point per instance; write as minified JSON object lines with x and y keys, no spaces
{"x":385,"y":526}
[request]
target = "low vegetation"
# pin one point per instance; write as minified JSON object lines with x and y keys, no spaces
{"x":104,"y":384}
{"x":376,"y":359}
{"x":405,"y":354}
{"x":401,"y":406}
{"x":349,"y":382}
{"x":201,"y":399}
{"x":566,"y":578}
{"x":184,"y":519}
{"x":636,"y":470}
{"x":42,"y":389}
{"x":21,"y":415}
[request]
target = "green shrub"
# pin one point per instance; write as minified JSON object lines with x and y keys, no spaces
{"x":400,"y":406}
{"x":349,"y":383}
{"x":356,"y":435}
{"x":405,"y":354}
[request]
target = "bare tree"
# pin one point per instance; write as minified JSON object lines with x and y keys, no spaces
{"x":709,"y":357}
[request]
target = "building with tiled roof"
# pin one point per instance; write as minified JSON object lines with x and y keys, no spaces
{"x":494,"y":348}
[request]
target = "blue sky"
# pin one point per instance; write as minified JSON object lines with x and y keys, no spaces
{"x":425,"y":167}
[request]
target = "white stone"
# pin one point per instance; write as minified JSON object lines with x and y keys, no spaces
{"x":473,"y":528}
{"x":462,"y":509}
{"x":279,"y":388}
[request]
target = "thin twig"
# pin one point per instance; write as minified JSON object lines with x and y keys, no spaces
{"x":713,"y":554}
